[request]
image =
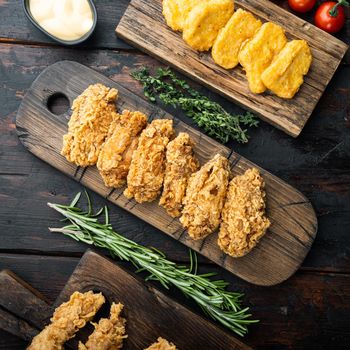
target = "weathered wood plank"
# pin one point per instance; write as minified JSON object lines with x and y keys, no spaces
{"x":318,"y":163}
{"x":310,"y":310}
{"x":41,"y":133}
{"x":143,"y":26}
{"x":148,"y":311}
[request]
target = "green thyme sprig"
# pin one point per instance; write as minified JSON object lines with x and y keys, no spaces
{"x":211,"y":295}
{"x":209,"y":115}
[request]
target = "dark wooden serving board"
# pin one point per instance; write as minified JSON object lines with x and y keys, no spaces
{"x":294,"y":224}
{"x":149,"y":313}
{"x":143,"y":26}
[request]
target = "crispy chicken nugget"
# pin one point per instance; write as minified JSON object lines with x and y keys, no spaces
{"x":180,"y":164}
{"x":67,"y":319}
{"x":204,"y":22}
{"x":259,"y":52}
{"x":241,"y":27}
{"x":243,"y":217}
{"x":146,"y":173}
{"x":162,"y":344}
{"x":93,"y":112}
{"x":176,"y":11}
{"x":205,"y":196}
{"x":115,"y":156}
{"x":109,"y":332}
{"x":285,"y":74}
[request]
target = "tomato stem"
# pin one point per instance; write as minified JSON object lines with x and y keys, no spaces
{"x":334,"y":10}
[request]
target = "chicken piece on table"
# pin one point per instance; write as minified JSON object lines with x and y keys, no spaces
{"x":259,"y":52}
{"x":93,"y":112}
{"x":286,"y":73}
{"x":175,"y":12}
{"x":204,"y":21}
{"x":109,"y":332}
{"x":116,"y":153}
{"x":67,"y":319}
{"x":205,"y":196}
{"x":162,"y":344}
{"x":243,"y":217}
{"x":241,"y":27}
{"x":180,"y":164}
{"x":147,"y":168}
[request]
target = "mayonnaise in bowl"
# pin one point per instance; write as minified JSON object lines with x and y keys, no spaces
{"x":66,"y":20}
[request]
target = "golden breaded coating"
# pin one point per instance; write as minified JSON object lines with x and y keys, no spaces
{"x":243,"y":217}
{"x":241,"y":27}
{"x":205,"y":197}
{"x":204,"y":21}
{"x":67,"y":319}
{"x":180,"y":164}
{"x":259,"y":52}
{"x":176,"y":11}
{"x":115,"y":155}
{"x":285,"y":74}
{"x":162,"y":344}
{"x":146,"y":173}
{"x":109,"y":332}
{"x":93,"y":112}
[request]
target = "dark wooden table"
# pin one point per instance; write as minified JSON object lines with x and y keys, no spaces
{"x":309,"y":311}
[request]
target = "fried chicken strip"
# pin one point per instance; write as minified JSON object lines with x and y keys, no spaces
{"x":243,"y":217}
{"x":146,"y":174}
{"x":93,"y":112}
{"x":116,"y":153}
{"x":205,"y":197}
{"x":67,"y":319}
{"x":180,"y":164}
{"x":162,"y":344}
{"x":109,"y":332}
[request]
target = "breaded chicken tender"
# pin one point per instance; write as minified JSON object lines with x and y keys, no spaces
{"x":180,"y":164}
{"x":162,"y":344}
{"x":205,"y":197}
{"x":286,"y":73}
{"x":243,"y":217}
{"x":67,"y":319}
{"x":115,"y":156}
{"x":204,"y":21}
{"x":146,"y":173}
{"x":93,"y":112}
{"x":176,"y":11}
{"x":241,"y":27}
{"x":109,"y":332}
{"x":259,"y":52}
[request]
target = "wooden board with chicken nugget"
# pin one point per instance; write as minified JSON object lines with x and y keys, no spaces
{"x":250,"y":62}
{"x":265,"y":226}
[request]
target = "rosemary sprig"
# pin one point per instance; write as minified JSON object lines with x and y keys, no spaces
{"x":207,"y":114}
{"x":211,"y":295}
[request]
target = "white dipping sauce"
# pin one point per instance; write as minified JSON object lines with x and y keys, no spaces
{"x":65,"y":19}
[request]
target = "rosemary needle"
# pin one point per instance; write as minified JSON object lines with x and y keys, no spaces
{"x":211,"y":295}
{"x":207,"y":114}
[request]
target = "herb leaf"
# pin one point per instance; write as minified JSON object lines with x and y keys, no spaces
{"x":207,"y":114}
{"x":211,"y":295}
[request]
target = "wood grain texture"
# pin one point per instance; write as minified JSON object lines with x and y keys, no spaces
{"x":41,"y":132}
{"x":143,"y":26}
{"x":23,"y":309}
{"x":149,"y":312}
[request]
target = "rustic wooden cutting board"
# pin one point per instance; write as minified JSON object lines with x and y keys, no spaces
{"x":294,"y":224}
{"x":143,"y":26}
{"x":149,"y":312}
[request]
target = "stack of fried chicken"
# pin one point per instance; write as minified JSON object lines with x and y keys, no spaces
{"x":238,"y":37}
{"x":151,"y":161}
{"x":73,"y":315}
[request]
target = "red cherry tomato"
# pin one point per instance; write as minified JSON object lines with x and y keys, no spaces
{"x":326,"y":21}
{"x":301,"y":5}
